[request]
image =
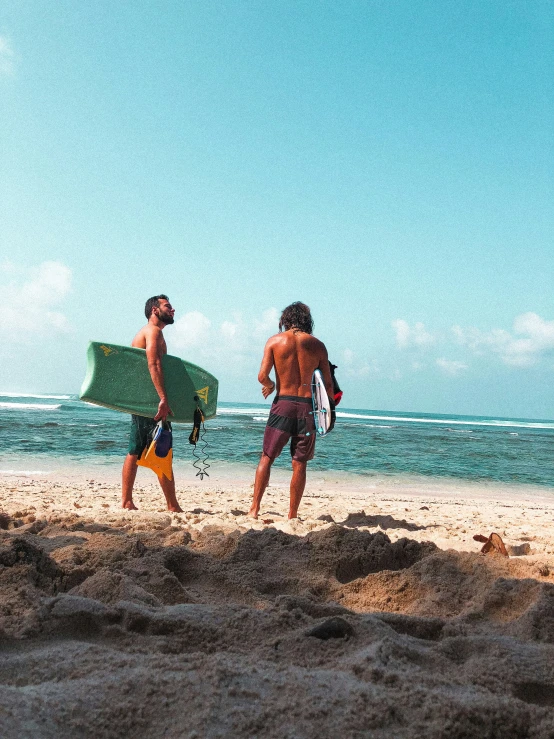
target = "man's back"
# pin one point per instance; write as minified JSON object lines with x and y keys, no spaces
{"x":296,"y":355}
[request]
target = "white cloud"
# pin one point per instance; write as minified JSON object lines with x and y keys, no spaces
{"x":238,"y":336}
{"x":407,"y":337}
{"x":532,"y":338}
{"x":368,"y":369}
{"x":191,"y":330}
{"x":402,"y":329}
{"x":6,"y":57}
{"x":29,"y":299}
{"x":355,"y":367}
{"x":451,"y":367}
{"x":268,"y":325}
{"x":230,"y":330}
{"x":235,"y":346}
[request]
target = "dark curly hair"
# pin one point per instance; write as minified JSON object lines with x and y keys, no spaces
{"x":297,"y":315}
{"x":153,"y":303}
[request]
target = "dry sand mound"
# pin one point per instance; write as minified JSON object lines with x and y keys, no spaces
{"x":107,"y":630}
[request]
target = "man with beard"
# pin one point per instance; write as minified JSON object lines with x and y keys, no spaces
{"x":159,"y":314}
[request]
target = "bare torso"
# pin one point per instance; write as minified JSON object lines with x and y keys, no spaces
{"x":295,"y":356}
{"x":151,"y":338}
{"x":149,"y":335}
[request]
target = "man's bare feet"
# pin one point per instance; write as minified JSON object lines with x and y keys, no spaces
{"x":253,"y":513}
{"x":129,"y":505}
{"x":175,"y":508}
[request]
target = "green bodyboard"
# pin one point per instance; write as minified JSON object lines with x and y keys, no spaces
{"x":118,"y":377}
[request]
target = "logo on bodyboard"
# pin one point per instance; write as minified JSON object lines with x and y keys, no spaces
{"x":203,"y":394}
{"x":108,"y":350}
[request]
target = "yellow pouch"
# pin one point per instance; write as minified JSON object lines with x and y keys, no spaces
{"x":161,"y":465}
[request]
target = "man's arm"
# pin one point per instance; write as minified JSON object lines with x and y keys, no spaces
{"x":268,"y":386}
{"x":154,"y":358}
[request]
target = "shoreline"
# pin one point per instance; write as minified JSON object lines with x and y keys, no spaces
{"x":242,"y":473}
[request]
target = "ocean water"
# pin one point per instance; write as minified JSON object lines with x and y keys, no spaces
{"x":45,"y":432}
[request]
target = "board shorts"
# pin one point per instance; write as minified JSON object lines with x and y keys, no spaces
{"x":141,"y":433}
{"x":290,"y":418}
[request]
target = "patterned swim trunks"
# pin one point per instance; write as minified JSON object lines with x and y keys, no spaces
{"x":290,"y":418}
{"x":141,"y":433}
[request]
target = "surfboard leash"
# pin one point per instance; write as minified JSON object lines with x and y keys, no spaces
{"x":197,"y":435}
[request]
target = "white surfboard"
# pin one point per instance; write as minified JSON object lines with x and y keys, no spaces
{"x":322,"y":407}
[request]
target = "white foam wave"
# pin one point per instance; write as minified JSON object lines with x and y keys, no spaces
{"x":24,"y":473}
{"x":31,"y":406}
{"x":243,"y":412}
{"x":32,"y":395}
{"x":451,"y":421}
{"x":368,"y":425}
{"x":262,"y":414}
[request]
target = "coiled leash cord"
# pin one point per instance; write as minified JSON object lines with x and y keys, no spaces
{"x":197,"y":434}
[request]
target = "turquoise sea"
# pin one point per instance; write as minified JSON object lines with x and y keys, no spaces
{"x":43,"y":433}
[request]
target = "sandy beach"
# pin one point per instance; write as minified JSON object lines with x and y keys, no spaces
{"x":374,"y":614}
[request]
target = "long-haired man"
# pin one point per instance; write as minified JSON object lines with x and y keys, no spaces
{"x":294,"y":353}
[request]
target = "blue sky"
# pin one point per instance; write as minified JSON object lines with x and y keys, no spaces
{"x":389,"y":163}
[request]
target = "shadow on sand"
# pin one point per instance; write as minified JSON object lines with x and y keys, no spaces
{"x":361,"y":519}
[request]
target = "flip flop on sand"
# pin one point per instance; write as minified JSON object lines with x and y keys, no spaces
{"x":492,"y":545}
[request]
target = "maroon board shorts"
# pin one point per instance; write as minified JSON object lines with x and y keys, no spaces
{"x":290,"y":418}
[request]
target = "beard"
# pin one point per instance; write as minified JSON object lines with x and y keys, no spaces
{"x":166,"y":318}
